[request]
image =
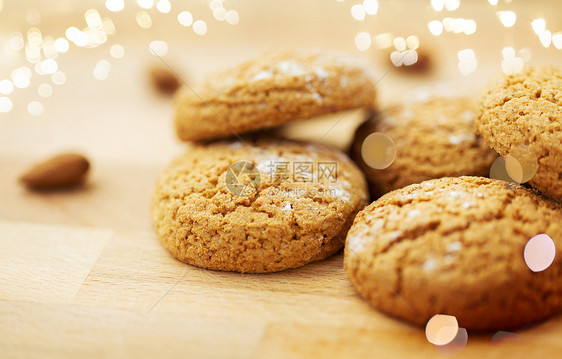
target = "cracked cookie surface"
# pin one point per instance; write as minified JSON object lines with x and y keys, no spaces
{"x":285,"y":218}
{"x":455,"y":246}
{"x":270,"y":90}
{"x":433,"y":139}
{"x":526,"y":109}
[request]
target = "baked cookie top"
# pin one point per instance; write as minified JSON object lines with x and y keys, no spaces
{"x":434,"y":138}
{"x":456,"y":246}
{"x":526,"y":109}
{"x":257,"y":206}
{"x":270,"y":90}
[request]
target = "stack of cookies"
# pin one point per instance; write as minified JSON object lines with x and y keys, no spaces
{"x":257,"y":203}
{"x":440,"y":239}
{"x":462,"y":245}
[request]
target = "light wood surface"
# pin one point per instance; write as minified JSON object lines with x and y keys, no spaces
{"x":82,"y":273}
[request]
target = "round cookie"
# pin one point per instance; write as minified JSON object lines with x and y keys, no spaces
{"x":434,"y":138}
{"x":257,"y":206}
{"x":455,"y":246}
{"x":270,"y":90}
{"x":526,"y":109}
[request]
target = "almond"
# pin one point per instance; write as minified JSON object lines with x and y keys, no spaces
{"x":164,"y":80}
{"x":61,"y":171}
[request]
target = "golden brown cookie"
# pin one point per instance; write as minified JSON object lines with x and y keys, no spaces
{"x":433,"y":139}
{"x":257,"y":206}
{"x":526,"y":109}
{"x":270,"y":90}
{"x":455,"y":246}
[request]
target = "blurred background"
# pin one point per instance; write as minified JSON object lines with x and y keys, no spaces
{"x":75,"y":74}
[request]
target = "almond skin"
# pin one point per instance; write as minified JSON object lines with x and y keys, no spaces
{"x":61,"y":171}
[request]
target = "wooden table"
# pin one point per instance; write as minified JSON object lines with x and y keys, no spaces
{"x":82,"y":273}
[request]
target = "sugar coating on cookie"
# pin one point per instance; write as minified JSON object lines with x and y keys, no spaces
{"x":526,"y":109}
{"x":433,"y":138}
{"x":456,"y":246}
{"x":257,"y":206}
{"x":270,"y":90}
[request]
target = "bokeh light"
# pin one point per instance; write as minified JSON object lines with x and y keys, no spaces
{"x":437,"y":5}
{"x":435,"y":27}
{"x":117,"y":51}
{"x":200,"y":27}
{"x":158,"y":48}
{"x":232,"y":17}
{"x":143,"y":20}
{"x":507,"y":18}
{"x":58,"y":78}
{"x":545,"y":38}
{"x":16,"y":41}
{"x":557,"y":40}
{"x":101,"y":71}
{"x":522,"y":163}
{"x":467,"y":61}
{"x":456,"y":345}
{"x":371,"y":6}
{"x":185,"y":18}
{"x":21,"y":77}
{"x":378,"y":150}
{"x":6,"y":87}
{"x":146,"y":4}
{"x":441,"y":329}
{"x":363,"y":41}
{"x":163,"y":6}
{"x":35,"y":108}
{"x":539,"y":252}
{"x":511,"y":64}
{"x":5,"y":104}
{"x":358,"y":12}
{"x":498,"y":169}
{"x":61,"y":45}
{"x":503,"y":336}
{"x":45,"y":90}
{"x":115,"y":5}
{"x":384,"y":41}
